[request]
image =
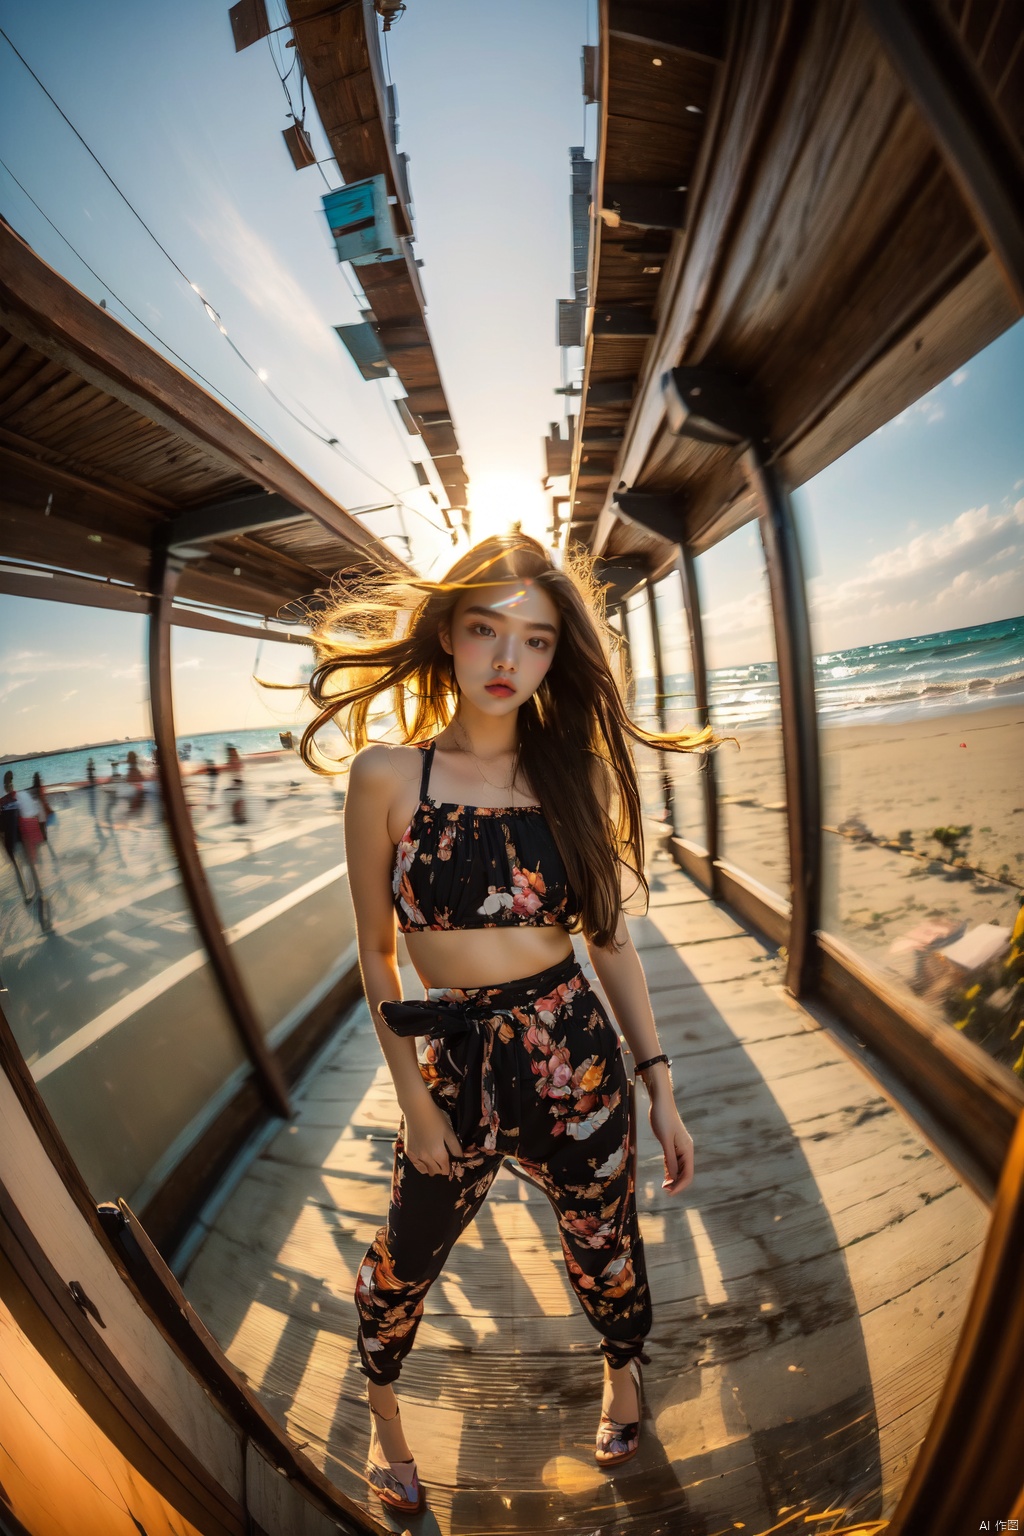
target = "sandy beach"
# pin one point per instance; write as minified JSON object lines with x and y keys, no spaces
{"x":883,"y":783}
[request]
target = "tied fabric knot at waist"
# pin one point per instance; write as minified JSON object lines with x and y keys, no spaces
{"x":440,"y":1013}
{"x":466,"y":1031}
{"x":434,"y":1017}
{"x":482,"y":1103}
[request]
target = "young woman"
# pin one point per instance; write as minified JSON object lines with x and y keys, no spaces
{"x":506,"y":821}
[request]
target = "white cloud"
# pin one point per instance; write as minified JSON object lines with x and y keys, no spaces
{"x":959,"y":377}
{"x":740,"y":631}
{"x":259,"y":274}
{"x":25,"y":668}
{"x":928,"y":408}
{"x":967,"y":571}
{"x":11,"y":685}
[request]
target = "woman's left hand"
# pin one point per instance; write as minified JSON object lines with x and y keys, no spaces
{"x":676,"y":1143}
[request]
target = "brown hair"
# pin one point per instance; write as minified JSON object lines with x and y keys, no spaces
{"x":380,"y":637}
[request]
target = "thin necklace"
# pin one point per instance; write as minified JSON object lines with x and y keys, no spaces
{"x":467,"y":751}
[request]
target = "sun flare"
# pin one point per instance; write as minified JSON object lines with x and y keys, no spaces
{"x":500,"y":498}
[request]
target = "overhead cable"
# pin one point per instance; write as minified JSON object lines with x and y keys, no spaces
{"x":127,"y":308}
{"x":322,"y":435}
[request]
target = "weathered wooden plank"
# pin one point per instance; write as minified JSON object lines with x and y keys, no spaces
{"x":661,"y":93}
{"x":36,"y":1189}
{"x":281,"y":1507}
{"x":50,"y":397}
{"x":31,"y":378}
{"x":64,"y":326}
{"x":683,"y":925}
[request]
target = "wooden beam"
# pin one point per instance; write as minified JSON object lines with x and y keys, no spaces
{"x":667,"y":787}
{"x":609,"y":392}
{"x":622,"y":320}
{"x":596,"y":86}
{"x":398,"y":336}
{"x":51,"y":540}
{"x":970,"y":1462}
{"x":340,"y":51}
{"x":645,"y":207}
{"x":624,"y":577}
{"x":983,"y":157}
{"x":664,"y":514}
{"x":763,"y":41}
{"x":246,"y":514}
{"x":73,"y":1346}
{"x":699,"y":666}
{"x":593,"y":436}
{"x":974,"y":1097}
{"x":752,"y":902}
{"x":39,"y":307}
{"x":919,"y":354}
{"x":179,"y":824}
{"x":794,"y":656}
{"x":45,"y":466}
{"x":86,"y":592}
{"x":689,"y":30}
{"x":599,"y":440}
{"x":692,"y":859}
{"x":248,"y":23}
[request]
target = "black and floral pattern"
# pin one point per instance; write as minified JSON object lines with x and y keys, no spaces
{"x":541,"y":1078}
{"x":472,"y":866}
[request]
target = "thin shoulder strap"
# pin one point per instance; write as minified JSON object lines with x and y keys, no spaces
{"x":428,"y":758}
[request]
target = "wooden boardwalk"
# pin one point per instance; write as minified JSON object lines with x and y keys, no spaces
{"x":808,"y":1286}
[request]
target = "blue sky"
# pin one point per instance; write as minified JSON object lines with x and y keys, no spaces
{"x":919,"y":528}
{"x":489,"y":102}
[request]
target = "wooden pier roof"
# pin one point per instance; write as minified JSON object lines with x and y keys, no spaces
{"x":107,"y":449}
{"x":770,"y":201}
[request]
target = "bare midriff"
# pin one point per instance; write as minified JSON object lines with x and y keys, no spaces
{"x":474,"y":957}
{"x":481,"y":957}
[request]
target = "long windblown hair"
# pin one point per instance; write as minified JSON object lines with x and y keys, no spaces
{"x":377,"y":648}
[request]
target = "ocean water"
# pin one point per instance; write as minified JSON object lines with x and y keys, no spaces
{"x":70,"y":767}
{"x":953,"y":670}
{"x":922,"y":675}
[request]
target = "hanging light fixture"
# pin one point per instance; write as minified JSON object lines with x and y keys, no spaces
{"x":389,"y":11}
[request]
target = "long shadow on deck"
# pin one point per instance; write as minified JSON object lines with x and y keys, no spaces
{"x":808,"y":1286}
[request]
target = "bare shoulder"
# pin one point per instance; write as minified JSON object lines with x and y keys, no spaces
{"x":382,"y":769}
{"x":383,"y":784}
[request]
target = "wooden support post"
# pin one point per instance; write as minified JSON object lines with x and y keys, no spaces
{"x":167,"y":570}
{"x":794,"y":657}
{"x":619,"y":611}
{"x":667,"y":788}
{"x":698,"y":661}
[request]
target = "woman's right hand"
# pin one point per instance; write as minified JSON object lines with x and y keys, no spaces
{"x":430,"y":1142}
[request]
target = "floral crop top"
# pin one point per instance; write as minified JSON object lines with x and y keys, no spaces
{"x":475,"y":866}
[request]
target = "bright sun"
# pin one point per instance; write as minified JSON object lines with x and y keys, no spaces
{"x":500,"y":498}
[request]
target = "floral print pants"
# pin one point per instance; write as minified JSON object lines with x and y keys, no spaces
{"x":530,"y":1069}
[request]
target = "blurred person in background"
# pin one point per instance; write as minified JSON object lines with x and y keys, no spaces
{"x":46,"y":814}
{"x":12,"y":832}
